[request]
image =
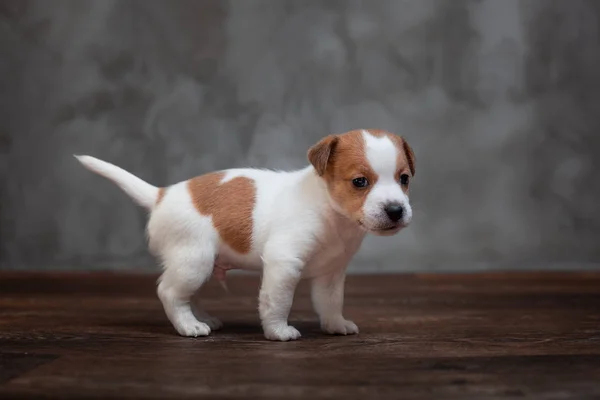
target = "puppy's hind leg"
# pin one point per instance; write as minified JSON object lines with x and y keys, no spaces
{"x":186,"y":269}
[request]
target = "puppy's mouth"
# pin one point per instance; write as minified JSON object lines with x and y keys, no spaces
{"x":382,"y":230}
{"x":389,"y":228}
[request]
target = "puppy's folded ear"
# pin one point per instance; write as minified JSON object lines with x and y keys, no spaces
{"x":320,"y":153}
{"x":410,"y":156}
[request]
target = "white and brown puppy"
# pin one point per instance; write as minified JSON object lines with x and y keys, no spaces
{"x":307,"y":223}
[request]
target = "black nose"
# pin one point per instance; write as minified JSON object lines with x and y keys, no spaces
{"x":394,"y":212}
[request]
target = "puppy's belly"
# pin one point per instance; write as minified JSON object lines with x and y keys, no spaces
{"x":230,"y":259}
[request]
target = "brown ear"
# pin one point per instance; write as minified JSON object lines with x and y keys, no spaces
{"x":319,"y":154}
{"x":410,"y":156}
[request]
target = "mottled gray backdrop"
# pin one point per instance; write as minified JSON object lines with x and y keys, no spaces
{"x":500,"y":100}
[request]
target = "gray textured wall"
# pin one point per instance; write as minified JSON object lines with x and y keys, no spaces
{"x":499,"y":98}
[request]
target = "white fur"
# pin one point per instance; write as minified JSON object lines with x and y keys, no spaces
{"x":297,"y":234}
{"x":382,"y":156}
{"x":141,"y":192}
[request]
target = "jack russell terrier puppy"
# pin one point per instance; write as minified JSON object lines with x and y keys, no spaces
{"x":307,"y":223}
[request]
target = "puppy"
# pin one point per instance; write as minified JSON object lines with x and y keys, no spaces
{"x":307,"y":223}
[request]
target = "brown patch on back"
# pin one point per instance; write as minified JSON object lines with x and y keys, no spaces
{"x":230,"y":205}
{"x":161,"y":195}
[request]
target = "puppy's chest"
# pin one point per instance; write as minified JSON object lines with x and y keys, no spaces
{"x":333,"y":252}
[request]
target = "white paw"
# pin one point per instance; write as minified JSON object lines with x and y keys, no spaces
{"x":282,"y":333}
{"x":339,"y":326}
{"x":213,"y":323}
{"x":193,"y":329}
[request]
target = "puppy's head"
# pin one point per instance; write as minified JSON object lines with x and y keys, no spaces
{"x":368,"y":174}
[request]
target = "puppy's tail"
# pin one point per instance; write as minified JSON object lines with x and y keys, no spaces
{"x":141,"y":192}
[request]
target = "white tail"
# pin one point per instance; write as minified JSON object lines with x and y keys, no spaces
{"x":141,"y":192}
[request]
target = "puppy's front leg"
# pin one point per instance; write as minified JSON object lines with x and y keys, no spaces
{"x":280,"y":277}
{"x":328,"y":300}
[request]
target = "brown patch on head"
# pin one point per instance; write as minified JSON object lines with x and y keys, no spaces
{"x":405,"y":161}
{"x":405,"y":152}
{"x":230,"y":205}
{"x":410,"y":156}
{"x":339,"y":159}
{"x":318,"y":155}
{"x":161,"y":195}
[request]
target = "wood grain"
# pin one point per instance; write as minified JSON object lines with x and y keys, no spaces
{"x":480,"y":336}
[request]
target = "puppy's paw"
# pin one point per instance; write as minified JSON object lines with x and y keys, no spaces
{"x":339,"y":326}
{"x":193,"y":329}
{"x":282,"y":333}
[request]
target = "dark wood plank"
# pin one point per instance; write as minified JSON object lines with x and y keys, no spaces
{"x":481,"y":336}
{"x":13,"y":365}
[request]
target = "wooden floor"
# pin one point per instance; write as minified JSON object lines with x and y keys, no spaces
{"x":494,"y":336}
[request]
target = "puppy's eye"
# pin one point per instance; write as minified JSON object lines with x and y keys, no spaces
{"x":404,"y":179}
{"x":360,"y":182}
